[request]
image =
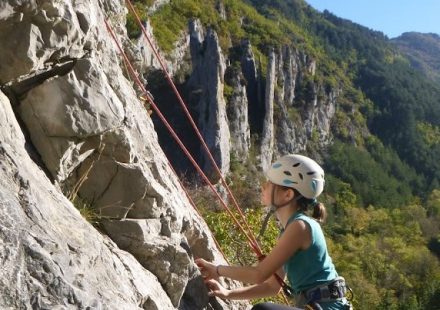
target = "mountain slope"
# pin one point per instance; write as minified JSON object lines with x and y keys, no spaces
{"x":423,"y":50}
{"x":295,"y":80}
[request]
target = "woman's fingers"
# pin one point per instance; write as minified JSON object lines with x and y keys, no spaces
{"x":207,"y":269}
{"x":215,"y":288}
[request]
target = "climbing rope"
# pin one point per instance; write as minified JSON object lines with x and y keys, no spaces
{"x":254,"y":242}
{"x":150,"y":100}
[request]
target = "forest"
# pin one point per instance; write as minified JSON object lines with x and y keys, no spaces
{"x":382,"y":188}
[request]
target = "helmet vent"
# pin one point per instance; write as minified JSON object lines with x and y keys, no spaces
{"x":287,"y":173}
{"x":289,"y":182}
{"x":301,"y":176}
{"x":296,"y":165}
{"x":311,"y":172}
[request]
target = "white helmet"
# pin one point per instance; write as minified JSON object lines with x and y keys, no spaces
{"x":298,"y":172}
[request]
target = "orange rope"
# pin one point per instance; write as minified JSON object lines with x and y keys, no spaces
{"x":191,"y":201}
{"x":254,"y":243}
{"x":147,"y":95}
{"x":150,"y":100}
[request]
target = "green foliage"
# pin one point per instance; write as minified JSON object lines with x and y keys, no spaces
{"x":385,"y":256}
{"x":429,"y":133}
{"x":87,"y":211}
{"x":433,"y":204}
{"x":379,"y":233}
{"x":228,"y":91}
{"x":378,"y":177}
{"x":133,"y":29}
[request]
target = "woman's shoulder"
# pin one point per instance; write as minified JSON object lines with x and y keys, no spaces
{"x":307,"y":220}
{"x":300,"y":216}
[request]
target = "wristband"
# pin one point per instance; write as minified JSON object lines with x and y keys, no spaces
{"x":216,"y":269}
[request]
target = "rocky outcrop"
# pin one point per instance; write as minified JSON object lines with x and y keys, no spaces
{"x":267,"y":138}
{"x":303,"y":109}
{"x":51,"y":257}
{"x":96,"y":142}
{"x":254,"y":95}
{"x":206,"y":84}
{"x":237,"y":109}
{"x":142,"y":53}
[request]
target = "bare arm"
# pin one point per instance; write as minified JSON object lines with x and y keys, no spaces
{"x":296,"y":237}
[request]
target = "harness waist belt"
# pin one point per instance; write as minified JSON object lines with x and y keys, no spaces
{"x":336,"y":289}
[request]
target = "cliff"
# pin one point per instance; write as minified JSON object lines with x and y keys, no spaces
{"x":73,"y":130}
{"x":238,"y":103}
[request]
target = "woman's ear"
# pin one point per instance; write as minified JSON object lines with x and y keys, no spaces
{"x":290,"y":194}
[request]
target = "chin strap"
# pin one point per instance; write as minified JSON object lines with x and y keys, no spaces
{"x":273,"y":207}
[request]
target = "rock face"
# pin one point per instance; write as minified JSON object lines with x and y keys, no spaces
{"x":253,"y":85}
{"x":52,"y":258}
{"x":267,"y":138}
{"x":305,"y":109}
{"x":95,"y":142}
{"x":206,"y":84}
{"x":237,"y":109}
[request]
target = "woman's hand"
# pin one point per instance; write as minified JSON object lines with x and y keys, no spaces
{"x":207,"y":269}
{"x":216,"y":289}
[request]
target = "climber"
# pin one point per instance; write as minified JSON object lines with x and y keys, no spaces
{"x":294,"y":183}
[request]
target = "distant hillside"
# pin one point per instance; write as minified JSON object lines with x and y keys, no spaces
{"x":292,"y":79}
{"x":423,"y":50}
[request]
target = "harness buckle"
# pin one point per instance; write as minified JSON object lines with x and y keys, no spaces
{"x":336,"y":289}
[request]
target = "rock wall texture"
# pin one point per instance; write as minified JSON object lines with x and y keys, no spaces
{"x":72,"y":126}
{"x":51,"y":257}
{"x":277,"y":109}
{"x":207,"y":82}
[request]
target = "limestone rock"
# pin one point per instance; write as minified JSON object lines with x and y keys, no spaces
{"x":253,"y":88}
{"x":301,"y":109}
{"x":52,"y":258}
{"x":94,"y":140}
{"x":207,"y":84}
{"x":237,"y":109}
{"x":267,"y":139}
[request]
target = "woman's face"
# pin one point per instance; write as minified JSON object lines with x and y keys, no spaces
{"x":282,"y":195}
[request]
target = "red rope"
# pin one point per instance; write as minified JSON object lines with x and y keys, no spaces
{"x":191,"y":201}
{"x":254,"y":243}
{"x":148,"y":97}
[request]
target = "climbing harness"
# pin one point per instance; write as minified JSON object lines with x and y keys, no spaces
{"x":335,"y":290}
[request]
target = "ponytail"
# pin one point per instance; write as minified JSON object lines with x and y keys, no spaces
{"x":319,"y":211}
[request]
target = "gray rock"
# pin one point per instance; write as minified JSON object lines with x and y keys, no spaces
{"x":267,"y":139}
{"x":207,"y":83}
{"x":297,"y":122}
{"x":92,"y":137}
{"x":237,"y":110}
{"x":52,"y":258}
{"x":253,"y":88}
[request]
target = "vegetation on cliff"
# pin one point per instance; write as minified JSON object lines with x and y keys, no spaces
{"x":383,"y":187}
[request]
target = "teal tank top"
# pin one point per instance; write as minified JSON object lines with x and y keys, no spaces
{"x":312,"y":267}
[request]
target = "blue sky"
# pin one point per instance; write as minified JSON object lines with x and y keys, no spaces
{"x":392,"y":17}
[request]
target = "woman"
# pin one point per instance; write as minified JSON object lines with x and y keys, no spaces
{"x":294,"y":183}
